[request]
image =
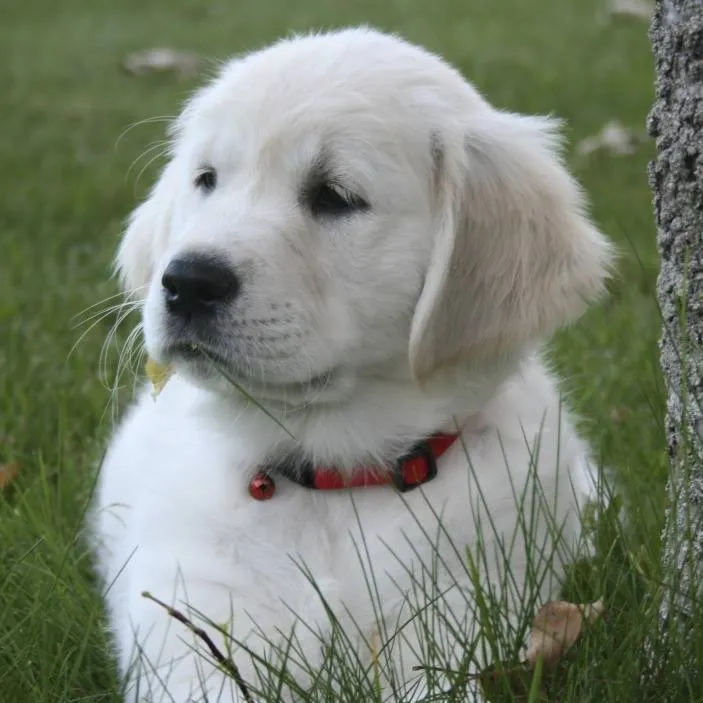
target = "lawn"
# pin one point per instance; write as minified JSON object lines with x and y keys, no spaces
{"x":71,"y":174}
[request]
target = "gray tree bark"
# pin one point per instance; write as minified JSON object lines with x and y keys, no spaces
{"x":676,"y":179}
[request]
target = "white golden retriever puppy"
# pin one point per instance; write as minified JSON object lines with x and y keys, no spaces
{"x":350,"y":260}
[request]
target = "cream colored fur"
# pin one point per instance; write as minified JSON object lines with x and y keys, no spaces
{"x":361,"y":334}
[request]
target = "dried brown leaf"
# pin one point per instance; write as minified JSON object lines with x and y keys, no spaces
{"x":640,"y":9}
{"x":162,"y":60}
{"x":8,"y":473}
{"x":618,"y":415}
{"x":613,"y":138}
{"x":556,"y":627}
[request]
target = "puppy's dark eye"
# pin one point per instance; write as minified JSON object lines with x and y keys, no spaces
{"x":333,"y":200}
{"x":206,"y":180}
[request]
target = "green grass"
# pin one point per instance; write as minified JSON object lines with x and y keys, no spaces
{"x":66,"y":189}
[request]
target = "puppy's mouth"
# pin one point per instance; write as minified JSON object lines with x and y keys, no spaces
{"x":206,"y":362}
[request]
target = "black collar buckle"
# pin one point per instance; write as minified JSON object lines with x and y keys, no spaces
{"x":420,"y":454}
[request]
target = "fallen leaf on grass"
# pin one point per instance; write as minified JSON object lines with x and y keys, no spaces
{"x":641,"y":9}
{"x":613,"y":138}
{"x":158,"y":374}
{"x":8,"y":473}
{"x":162,"y":60}
{"x":618,"y":415}
{"x":556,"y":627}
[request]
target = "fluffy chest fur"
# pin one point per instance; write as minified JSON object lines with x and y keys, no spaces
{"x":175,"y":518}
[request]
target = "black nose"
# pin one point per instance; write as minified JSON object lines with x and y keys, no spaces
{"x":195,"y":283}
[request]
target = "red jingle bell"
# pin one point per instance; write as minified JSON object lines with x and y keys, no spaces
{"x":262,"y":486}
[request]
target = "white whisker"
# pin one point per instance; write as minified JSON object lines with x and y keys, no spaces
{"x":148,"y":120}
{"x":77,"y":316}
{"x":160,"y":146}
{"x":105,"y":312}
{"x":131,"y":344}
{"x":154,"y":158}
{"x":109,"y":339}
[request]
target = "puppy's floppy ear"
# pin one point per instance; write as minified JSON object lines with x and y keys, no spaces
{"x":514,"y":255}
{"x":146,"y":235}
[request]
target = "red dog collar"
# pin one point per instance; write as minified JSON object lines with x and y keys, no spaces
{"x":412,"y":469}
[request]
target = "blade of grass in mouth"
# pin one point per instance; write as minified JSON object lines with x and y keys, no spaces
{"x":230,"y":379}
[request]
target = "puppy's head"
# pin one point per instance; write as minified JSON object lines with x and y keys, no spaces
{"x":341,"y":204}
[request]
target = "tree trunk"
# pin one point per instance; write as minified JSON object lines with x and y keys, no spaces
{"x":676,"y":179}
